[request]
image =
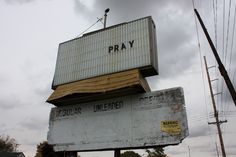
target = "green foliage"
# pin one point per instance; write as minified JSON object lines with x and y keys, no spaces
{"x":8,"y":144}
{"x":129,"y":154}
{"x":45,"y":150}
{"x":156,"y":152}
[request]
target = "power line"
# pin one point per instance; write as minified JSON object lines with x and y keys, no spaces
{"x":232,"y":45}
{"x":203,"y":80}
{"x":200,"y":55}
{"x":227,"y":35}
{"x":221,"y":65}
{"x":226,"y":106}
{"x":99,"y":20}
{"x":215,"y":24}
{"x":223,"y":30}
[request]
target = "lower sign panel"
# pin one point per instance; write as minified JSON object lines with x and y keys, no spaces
{"x":137,"y":121}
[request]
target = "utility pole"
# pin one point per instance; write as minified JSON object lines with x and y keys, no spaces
{"x":221,"y":67}
{"x":218,"y":122}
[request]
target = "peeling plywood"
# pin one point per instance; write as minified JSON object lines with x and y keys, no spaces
{"x":111,"y":85}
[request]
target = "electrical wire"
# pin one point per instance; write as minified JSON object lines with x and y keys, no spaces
{"x":203,"y":80}
{"x":225,"y":106}
{"x":99,"y":20}
{"x":227,"y":35}
{"x":214,"y":13}
{"x":232,"y":43}
{"x":223,"y":30}
{"x":200,"y":54}
{"x":223,"y":54}
{"x":216,"y":23}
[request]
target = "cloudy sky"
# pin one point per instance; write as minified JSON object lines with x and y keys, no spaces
{"x":31,"y":30}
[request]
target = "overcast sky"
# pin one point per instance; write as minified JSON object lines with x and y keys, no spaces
{"x":30,"y":31}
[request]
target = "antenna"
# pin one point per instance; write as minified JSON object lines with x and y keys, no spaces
{"x":105,"y":17}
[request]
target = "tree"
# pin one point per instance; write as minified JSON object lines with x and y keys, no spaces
{"x":129,"y":154}
{"x":157,"y":152}
{"x":45,"y":150}
{"x":8,"y":144}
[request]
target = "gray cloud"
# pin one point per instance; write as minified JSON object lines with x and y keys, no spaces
{"x":199,"y":132}
{"x":230,"y":150}
{"x":81,"y":9}
{"x":18,"y":1}
{"x":34,"y":124}
{"x":175,"y":27}
{"x":3,"y":128}
{"x":10,"y":102}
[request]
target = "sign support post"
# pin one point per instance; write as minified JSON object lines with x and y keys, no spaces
{"x":117,"y":153}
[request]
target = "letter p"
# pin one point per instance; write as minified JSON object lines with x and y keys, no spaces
{"x":110,"y":48}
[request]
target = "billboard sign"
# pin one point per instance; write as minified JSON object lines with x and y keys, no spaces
{"x":136,"y":121}
{"x":114,"y":49}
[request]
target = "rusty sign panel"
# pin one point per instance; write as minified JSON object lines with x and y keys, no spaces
{"x":136,"y":121}
{"x":117,"y":48}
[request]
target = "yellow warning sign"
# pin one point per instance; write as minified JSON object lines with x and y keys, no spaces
{"x":171,"y":126}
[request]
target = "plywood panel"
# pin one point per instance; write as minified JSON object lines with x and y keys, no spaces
{"x":127,"y":82}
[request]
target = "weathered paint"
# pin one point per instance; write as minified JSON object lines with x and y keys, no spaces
{"x":125,"y":122}
{"x":114,"y":49}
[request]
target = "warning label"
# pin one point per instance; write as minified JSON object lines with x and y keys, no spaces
{"x":171,"y":126}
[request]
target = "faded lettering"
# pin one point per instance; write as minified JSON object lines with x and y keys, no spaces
{"x":108,"y":106}
{"x":64,"y":112}
{"x":160,"y":98}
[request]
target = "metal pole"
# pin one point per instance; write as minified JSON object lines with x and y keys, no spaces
{"x":215,"y":112}
{"x":105,"y":20}
{"x":105,"y":17}
{"x":117,"y":153}
{"x":221,"y":67}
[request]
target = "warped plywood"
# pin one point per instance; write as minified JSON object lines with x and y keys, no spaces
{"x":117,"y":84}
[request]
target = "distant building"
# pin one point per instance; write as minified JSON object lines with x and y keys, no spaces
{"x":11,"y":154}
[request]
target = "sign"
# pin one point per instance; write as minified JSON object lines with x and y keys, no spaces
{"x":137,"y":121}
{"x":130,"y":45}
{"x":171,"y":126}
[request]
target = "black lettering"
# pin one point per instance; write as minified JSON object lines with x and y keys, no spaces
{"x":123,"y":46}
{"x":116,"y":48}
{"x":150,"y":98}
{"x":131,"y":43}
{"x":77,"y":110}
{"x":108,"y":106}
{"x":110,"y":48}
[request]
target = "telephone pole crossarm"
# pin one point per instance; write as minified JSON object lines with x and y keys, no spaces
{"x":220,"y":122}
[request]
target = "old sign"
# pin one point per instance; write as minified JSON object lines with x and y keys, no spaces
{"x":136,"y":121}
{"x":117,"y":48}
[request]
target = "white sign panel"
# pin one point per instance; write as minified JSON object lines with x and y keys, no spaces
{"x":137,"y":121}
{"x":114,"y":49}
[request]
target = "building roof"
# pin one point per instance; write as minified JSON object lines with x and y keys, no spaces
{"x":11,"y":154}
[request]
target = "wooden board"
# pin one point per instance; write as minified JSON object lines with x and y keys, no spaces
{"x":107,"y":86}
